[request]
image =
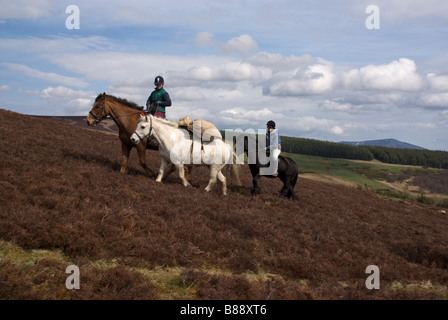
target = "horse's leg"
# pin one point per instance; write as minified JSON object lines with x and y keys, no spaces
{"x":256,"y":189}
{"x":234,"y":171}
{"x":235,"y":174}
{"x":141,"y":149}
{"x":213,"y":175}
{"x":286,"y":189}
{"x":181,"y":170}
{"x":292,"y":185}
{"x":286,"y":184}
{"x":222,"y":178}
{"x":255,"y":171}
{"x":169,"y":169}
{"x":293,"y":194}
{"x":125,"y":150}
{"x":163,"y":165}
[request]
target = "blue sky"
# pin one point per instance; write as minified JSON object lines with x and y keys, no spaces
{"x":311,"y":66}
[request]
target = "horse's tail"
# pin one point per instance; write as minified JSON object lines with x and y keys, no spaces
{"x":294,"y":180}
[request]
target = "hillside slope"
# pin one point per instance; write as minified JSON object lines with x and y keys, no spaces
{"x":388,"y":143}
{"x":63,"y":201}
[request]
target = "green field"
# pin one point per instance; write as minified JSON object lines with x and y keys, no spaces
{"x":370,"y":175}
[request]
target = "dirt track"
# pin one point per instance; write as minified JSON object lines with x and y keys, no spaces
{"x":61,"y":190}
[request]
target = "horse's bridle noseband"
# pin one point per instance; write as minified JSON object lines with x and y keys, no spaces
{"x":98,"y":118}
{"x":150,"y":130}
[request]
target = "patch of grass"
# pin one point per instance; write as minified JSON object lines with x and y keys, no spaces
{"x":27,"y":258}
{"x":168,"y":282}
{"x":357,"y":173}
{"x":422,"y":287}
{"x":371,"y":175}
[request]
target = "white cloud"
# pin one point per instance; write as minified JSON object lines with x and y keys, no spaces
{"x":437,"y":82}
{"x":65,"y":93}
{"x":5,"y":88}
{"x":241,"y":45}
{"x":331,"y":105}
{"x":79,"y":106}
{"x":427,"y":125}
{"x":311,"y":123}
{"x":434,"y":100}
{"x":398,"y":75}
{"x":244,"y":117}
{"x":337,"y":130}
{"x":56,"y":44}
{"x":25,"y":9}
{"x":204,"y":39}
{"x":45,"y":76}
{"x":121,"y":66}
{"x":74,"y":102}
{"x":277,"y":62}
{"x":315,"y":79}
{"x":235,"y":71}
{"x":394,"y":11}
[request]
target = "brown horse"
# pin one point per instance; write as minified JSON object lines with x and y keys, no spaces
{"x":125,"y":115}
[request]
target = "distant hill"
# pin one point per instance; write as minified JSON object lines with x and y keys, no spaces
{"x":388,"y":143}
{"x":106,"y":125}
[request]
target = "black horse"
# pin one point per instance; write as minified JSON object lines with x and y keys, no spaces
{"x":287,"y":169}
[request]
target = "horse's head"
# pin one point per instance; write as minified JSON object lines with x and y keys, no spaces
{"x":143,"y":130}
{"x":98,"y":111}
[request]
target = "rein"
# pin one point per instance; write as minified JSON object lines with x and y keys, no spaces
{"x":98,"y":119}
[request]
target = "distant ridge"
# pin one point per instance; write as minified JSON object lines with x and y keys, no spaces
{"x":389,"y":143}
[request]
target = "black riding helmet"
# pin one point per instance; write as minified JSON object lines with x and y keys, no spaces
{"x":271,"y":124}
{"x":159,"y":80}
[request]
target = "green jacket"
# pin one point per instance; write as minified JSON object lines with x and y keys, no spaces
{"x":160,"y":96}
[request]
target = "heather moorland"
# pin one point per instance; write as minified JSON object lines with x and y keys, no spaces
{"x":64,"y":202}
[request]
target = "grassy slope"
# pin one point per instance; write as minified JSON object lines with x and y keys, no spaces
{"x":63,"y":201}
{"x":368,"y":175}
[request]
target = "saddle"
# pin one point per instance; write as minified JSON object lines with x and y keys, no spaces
{"x":208,"y":130}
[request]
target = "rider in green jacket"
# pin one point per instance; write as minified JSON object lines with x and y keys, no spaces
{"x":159,"y":99}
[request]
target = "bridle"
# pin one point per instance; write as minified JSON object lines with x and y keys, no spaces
{"x":150,"y":130}
{"x":98,"y":118}
{"x":104,"y":114}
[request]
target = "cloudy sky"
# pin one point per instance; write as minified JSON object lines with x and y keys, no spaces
{"x":319,"y":69}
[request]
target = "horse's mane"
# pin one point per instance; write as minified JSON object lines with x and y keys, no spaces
{"x":168,"y":122}
{"x":127,"y":103}
{"x":164,"y":121}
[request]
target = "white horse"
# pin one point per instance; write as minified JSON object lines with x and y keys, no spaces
{"x":176,"y":146}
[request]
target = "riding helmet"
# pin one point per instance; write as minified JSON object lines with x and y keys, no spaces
{"x":159,"y":80}
{"x":271,"y":124}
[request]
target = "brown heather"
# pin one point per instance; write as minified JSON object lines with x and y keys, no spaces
{"x":63,"y":201}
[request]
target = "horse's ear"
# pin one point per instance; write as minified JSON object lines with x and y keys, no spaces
{"x":103,"y":96}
